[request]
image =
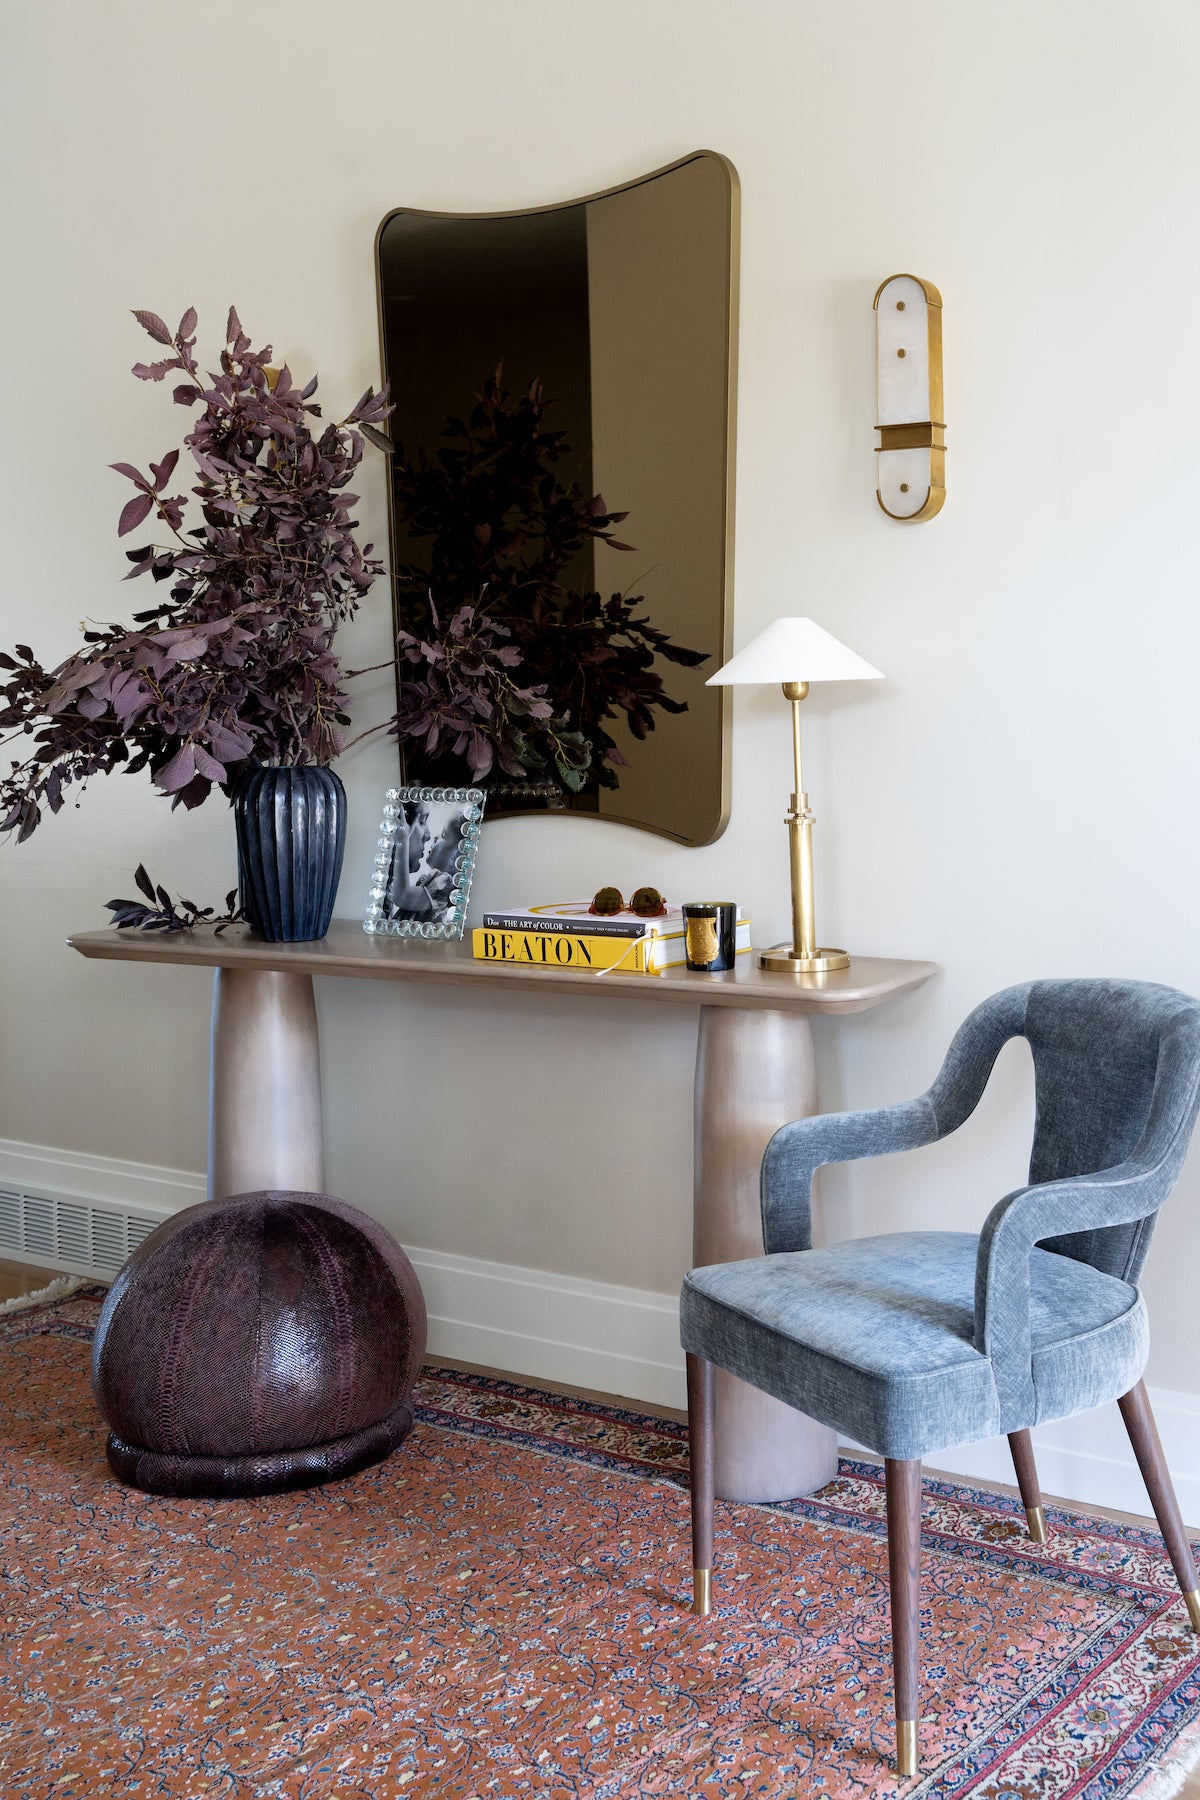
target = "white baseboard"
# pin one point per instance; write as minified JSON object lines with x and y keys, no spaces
{"x":1088,"y":1458}
{"x":617,"y":1340}
{"x":625,"y":1341}
{"x":140,"y":1185}
{"x":592,"y":1334}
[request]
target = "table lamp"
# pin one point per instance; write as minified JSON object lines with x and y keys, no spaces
{"x":796,"y":652}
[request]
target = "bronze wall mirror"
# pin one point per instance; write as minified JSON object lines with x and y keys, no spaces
{"x":563,"y":382}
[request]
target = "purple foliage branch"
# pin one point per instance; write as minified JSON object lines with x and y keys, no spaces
{"x":235,"y":663}
{"x":158,"y":912}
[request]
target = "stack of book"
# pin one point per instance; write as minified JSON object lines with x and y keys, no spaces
{"x":570,"y":936}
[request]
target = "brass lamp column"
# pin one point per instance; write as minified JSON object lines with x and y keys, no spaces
{"x":801,"y":956}
{"x":795,"y":652}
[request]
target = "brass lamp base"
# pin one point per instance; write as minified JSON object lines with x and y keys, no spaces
{"x":784,"y":959}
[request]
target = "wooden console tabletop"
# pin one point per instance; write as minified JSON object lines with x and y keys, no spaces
{"x":754,"y":1070}
{"x":350,"y":951}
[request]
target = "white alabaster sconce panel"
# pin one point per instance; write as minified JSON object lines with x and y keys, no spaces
{"x":906,"y":486}
{"x":911,"y":478}
{"x":903,"y":351}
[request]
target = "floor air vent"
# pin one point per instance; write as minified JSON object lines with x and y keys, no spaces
{"x":63,"y":1232}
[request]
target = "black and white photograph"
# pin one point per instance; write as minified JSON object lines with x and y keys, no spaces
{"x":426,"y":858}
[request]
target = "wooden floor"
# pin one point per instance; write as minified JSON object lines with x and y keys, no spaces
{"x":22,"y":1278}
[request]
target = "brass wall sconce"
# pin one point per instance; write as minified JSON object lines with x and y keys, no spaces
{"x":911,"y":480}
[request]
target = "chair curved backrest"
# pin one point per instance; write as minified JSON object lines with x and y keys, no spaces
{"x":1115,"y":1066}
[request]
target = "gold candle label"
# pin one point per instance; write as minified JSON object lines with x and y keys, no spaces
{"x":702,"y":940}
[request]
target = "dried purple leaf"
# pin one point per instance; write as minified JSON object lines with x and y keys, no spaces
{"x":133,"y":512}
{"x":153,"y":324}
{"x":178,"y":772}
{"x":131,"y":474}
{"x":163,"y":471}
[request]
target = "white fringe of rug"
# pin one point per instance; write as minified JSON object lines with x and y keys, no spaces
{"x":1166,"y":1780}
{"x":56,"y":1290}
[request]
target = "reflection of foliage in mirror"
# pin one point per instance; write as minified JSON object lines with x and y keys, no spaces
{"x":507,"y":665}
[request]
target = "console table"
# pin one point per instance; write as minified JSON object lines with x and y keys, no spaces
{"x":754,"y":1071}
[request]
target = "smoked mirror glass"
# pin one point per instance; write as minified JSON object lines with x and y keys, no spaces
{"x":589,"y":345}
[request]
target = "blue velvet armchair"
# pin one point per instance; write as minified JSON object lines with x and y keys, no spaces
{"x":916,"y":1341}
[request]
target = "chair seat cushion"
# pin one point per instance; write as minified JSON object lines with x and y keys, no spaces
{"x":875,"y":1337}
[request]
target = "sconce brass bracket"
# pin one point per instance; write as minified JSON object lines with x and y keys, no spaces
{"x":925,"y":436}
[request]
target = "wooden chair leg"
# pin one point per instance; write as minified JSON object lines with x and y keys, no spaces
{"x":1021,"y":1445}
{"x":701,"y":1391}
{"x":1143,"y":1435}
{"x":903,"y":1486}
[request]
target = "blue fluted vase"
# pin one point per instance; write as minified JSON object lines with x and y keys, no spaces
{"x":291,"y":837}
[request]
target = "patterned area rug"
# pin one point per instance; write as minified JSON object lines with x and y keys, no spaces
{"x":498,"y":1610}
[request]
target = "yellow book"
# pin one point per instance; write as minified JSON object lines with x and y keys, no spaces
{"x":564,"y":950}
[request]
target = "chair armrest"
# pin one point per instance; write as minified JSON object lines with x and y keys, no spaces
{"x":1121,"y":1195}
{"x":798,"y":1150}
{"x":1118,"y":1196}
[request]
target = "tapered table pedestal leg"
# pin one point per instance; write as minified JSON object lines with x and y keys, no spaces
{"x":754,"y":1072}
{"x":264,"y":1122}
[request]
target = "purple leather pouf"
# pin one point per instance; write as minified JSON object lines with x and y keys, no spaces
{"x":256,"y":1344}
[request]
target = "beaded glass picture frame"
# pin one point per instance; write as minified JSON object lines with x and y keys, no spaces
{"x":424,"y":862}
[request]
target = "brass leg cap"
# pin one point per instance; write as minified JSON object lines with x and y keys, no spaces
{"x":906,"y":1746}
{"x":701,"y":1592}
{"x":1193,"y":1606}
{"x":1037,"y":1523}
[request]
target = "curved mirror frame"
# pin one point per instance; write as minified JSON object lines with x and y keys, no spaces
{"x":623,"y":305}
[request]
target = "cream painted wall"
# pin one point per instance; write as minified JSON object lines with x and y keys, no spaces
{"x":1016,"y":800}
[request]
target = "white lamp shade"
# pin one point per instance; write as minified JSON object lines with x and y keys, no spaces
{"x":793,"y":650}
